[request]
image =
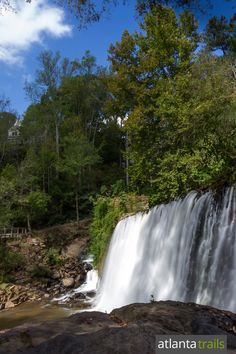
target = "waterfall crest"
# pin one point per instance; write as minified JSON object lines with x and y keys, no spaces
{"x":183,"y":251}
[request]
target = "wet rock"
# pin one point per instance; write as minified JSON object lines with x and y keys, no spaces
{"x":80,"y":296}
{"x":78,"y":280}
{"x":56,"y":287}
{"x":68,"y":241}
{"x":129,"y":330}
{"x":91,"y":294}
{"x":68,"y":282}
{"x":9,"y":304}
{"x":87,"y":267}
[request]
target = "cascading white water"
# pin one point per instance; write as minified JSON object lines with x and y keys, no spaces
{"x":87,"y":288}
{"x":185,"y":250}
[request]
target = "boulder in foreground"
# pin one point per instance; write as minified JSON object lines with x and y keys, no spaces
{"x":128,"y":330}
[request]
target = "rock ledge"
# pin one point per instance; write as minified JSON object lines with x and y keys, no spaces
{"x":128,"y":330}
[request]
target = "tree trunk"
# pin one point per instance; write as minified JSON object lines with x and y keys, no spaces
{"x":44,"y":187}
{"x":28,"y":222}
{"x":48,"y":179}
{"x":57,"y":140}
{"x":95,"y":132}
{"x":77,"y":206}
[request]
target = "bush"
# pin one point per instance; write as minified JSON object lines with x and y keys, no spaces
{"x":9,"y":263}
{"x":53,"y":257}
{"x":41,"y":272}
{"x":106,"y":214}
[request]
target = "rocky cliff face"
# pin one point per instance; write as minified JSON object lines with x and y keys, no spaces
{"x":128,"y":330}
{"x":51,"y":263}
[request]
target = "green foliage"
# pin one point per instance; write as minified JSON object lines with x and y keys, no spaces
{"x":53,"y":257}
{"x":107,"y":212}
{"x":105,"y":218}
{"x":41,"y":272}
{"x":35,"y":203}
{"x":78,"y":153}
{"x":69,"y":145}
{"x":118,"y":188}
{"x":180,"y":105}
{"x":182,"y":172}
{"x":7,"y":120}
{"x":9,"y":262}
{"x":221,"y":34}
{"x":165,"y":108}
{"x":8,"y":194}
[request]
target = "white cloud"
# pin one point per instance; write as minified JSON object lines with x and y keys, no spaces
{"x":28,"y":25}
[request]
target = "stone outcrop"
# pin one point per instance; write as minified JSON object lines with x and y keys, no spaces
{"x":68,"y":282}
{"x":14,"y":295}
{"x":52,"y":262}
{"x":128,"y":330}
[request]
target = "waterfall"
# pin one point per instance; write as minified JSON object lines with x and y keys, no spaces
{"x":88,"y":288}
{"x":183,"y":251}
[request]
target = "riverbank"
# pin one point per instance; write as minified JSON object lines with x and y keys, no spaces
{"x":51,"y":263}
{"x":131,"y":329}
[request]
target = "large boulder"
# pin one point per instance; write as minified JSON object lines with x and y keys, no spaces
{"x":129,"y":330}
{"x":68,"y":282}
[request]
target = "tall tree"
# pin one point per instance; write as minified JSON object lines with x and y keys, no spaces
{"x":78,"y":154}
{"x":7,"y":120}
{"x":221,"y":34}
{"x":45,"y":86}
{"x":83,"y":98}
{"x":174,"y":100}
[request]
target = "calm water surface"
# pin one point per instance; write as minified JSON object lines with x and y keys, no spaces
{"x":33,"y":312}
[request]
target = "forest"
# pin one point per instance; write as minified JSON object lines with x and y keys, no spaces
{"x":158,"y":121}
{"x":118,"y":182}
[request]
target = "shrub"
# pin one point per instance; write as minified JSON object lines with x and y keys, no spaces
{"x":9,"y":262}
{"x":41,"y":272}
{"x":106,"y":213}
{"x":53,"y":257}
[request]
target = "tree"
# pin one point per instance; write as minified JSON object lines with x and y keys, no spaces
{"x":7,"y":120}
{"x":4,"y":104}
{"x":221,"y":34}
{"x":88,"y":11}
{"x":8,"y":194}
{"x":178,"y":106}
{"x":34,"y":205}
{"x":78,"y":154}
{"x":145,"y":6}
{"x":83,"y":98}
{"x":80,"y":98}
{"x":45,"y":86}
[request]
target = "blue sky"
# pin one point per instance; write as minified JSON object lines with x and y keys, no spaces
{"x":41,"y":26}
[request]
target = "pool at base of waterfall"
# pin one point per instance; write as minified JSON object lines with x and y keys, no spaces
{"x":71,"y":302}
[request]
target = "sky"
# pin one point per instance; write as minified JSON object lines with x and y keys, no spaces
{"x":42,"y":25}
